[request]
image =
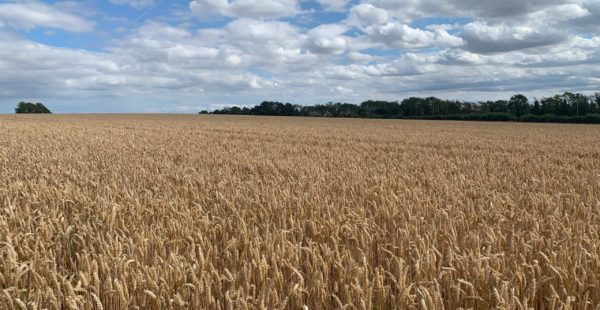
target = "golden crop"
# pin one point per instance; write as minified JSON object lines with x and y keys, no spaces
{"x":216,"y":212}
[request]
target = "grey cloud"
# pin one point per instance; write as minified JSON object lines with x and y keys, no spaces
{"x":359,"y":57}
{"x":504,"y":8}
{"x":30,"y":15}
{"x":245,"y":8}
{"x":466,"y":8}
{"x":396,"y":35}
{"x":484,"y":38}
{"x":589,"y":23}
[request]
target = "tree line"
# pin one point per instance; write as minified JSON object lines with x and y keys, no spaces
{"x":566,"y":107}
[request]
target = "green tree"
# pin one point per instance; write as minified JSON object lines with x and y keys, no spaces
{"x":537,"y":108}
{"x":28,"y":107}
{"x":410,"y":106}
{"x":518,"y":105}
{"x":550,"y":105}
{"x":595,"y":103}
{"x":385,"y":108}
{"x":579,"y":103}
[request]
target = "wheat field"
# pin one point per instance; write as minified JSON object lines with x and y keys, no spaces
{"x":217,"y":212}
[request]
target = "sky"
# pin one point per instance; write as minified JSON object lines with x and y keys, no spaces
{"x":182,"y":56}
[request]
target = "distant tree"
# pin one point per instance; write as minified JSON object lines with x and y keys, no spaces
{"x":410,"y":106}
{"x":347,"y":109}
{"x":550,"y":105}
{"x":518,"y":105}
{"x":288,"y":109}
{"x":318,"y":110}
{"x":580,"y":104}
{"x":330,"y":109}
{"x":568,"y":104}
{"x":498,"y":106}
{"x":595,"y":103}
{"x":268,"y":108}
{"x":436,"y":105}
{"x":203,"y":112}
{"x":380,"y":108}
{"x":28,"y":107}
{"x":564,"y":106}
{"x":469,"y":107}
{"x":537,"y":108}
{"x":235,"y":110}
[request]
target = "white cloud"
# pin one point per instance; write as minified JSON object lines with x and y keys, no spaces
{"x":30,"y":15}
{"x":589,"y":22}
{"x":367,"y":14}
{"x":234,"y":60}
{"x":358,"y":57}
{"x":327,"y":39}
{"x":397,"y":35}
{"x":245,"y":8}
{"x":483,"y":38}
{"x":343,"y":90}
{"x":557,"y":14}
{"x":261,"y":32}
{"x":537,"y":24}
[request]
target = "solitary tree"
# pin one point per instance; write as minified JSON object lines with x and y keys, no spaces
{"x":28,"y":107}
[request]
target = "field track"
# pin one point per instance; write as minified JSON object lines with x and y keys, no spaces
{"x":218,"y":212}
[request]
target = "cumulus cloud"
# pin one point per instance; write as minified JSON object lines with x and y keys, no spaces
{"x":257,"y":31}
{"x":367,"y":14}
{"x":146,"y":63}
{"x":30,"y":15}
{"x":245,"y":8}
{"x":381,"y":27}
{"x":498,"y":26}
{"x":358,"y":57}
{"x":535,"y":29}
{"x":483,"y":38}
{"x":557,"y":14}
{"x":397,"y":35}
{"x":327,"y":39}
